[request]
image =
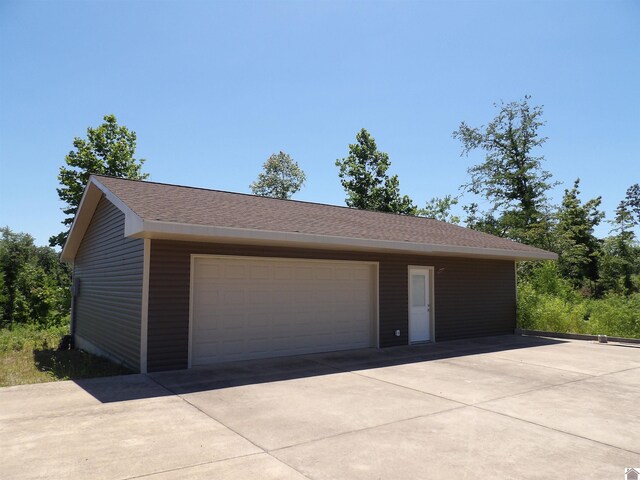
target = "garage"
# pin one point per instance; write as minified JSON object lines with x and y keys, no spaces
{"x":257,"y":307}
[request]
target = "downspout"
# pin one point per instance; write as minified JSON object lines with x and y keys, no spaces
{"x":68,"y":341}
{"x":144,"y":313}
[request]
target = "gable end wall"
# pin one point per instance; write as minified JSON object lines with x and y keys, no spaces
{"x":109,"y":268}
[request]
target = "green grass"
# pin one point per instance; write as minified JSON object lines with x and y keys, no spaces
{"x":613,"y":315}
{"x":28,"y":354}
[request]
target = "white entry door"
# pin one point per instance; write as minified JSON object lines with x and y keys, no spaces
{"x":419,"y":305}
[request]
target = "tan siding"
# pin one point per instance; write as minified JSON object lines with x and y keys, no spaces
{"x":109,"y":268}
{"x":473,"y":297}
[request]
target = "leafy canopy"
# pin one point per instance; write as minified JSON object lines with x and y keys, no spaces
{"x":108,"y":150}
{"x":440,"y":209}
{"x":620,"y":262}
{"x":628,"y":212}
{"x":577,"y":246}
{"x":363,"y":174}
{"x":34,"y":285}
{"x":281,"y":177}
{"x":511,"y":177}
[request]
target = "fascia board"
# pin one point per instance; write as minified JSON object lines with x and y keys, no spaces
{"x":90,"y":198}
{"x":168,"y":230}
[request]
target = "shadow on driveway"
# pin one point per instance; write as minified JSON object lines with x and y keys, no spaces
{"x":226,"y":375}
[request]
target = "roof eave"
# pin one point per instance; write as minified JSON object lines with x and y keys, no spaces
{"x":92,"y":194}
{"x":191,"y":232}
{"x":136,"y":227}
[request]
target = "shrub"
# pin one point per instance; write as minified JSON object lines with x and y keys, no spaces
{"x":615,"y":315}
{"x":31,"y":336}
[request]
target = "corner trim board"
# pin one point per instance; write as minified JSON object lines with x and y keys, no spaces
{"x":144,"y":314}
{"x":191,"y":280}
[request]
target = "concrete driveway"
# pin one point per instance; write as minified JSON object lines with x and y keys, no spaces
{"x":501,"y":407}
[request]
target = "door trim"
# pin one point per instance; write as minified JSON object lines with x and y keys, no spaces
{"x":375,"y":288}
{"x":432,"y":309}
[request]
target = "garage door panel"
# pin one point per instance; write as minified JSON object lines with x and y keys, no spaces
{"x":304,"y":273}
{"x":259,"y":272}
{"x":255,"y":308}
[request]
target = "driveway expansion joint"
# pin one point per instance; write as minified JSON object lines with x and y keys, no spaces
{"x":199,"y":464}
{"x":262,"y":449}
{"x":372,"y":427}
{"x":362,"y":375}
{"x":582,"y":437}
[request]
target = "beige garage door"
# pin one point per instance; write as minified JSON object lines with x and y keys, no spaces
{"x":246,"y":308}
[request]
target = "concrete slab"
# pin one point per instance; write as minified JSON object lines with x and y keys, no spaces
{"x":498,"y":342}
{"x":376,"y":358}
{"x":277,"y":414}
{"x":463,"y":443}
{"x":113,"y":440}
{"x":261,"y":466}
{"x":543,"y":409}
{"x":576,"y":356}
{"x":239,"y":373}
{"x":605,"y":408}
{"x":472,"y":379}
{"x":59,"y":397}
{"x":380,"y":358}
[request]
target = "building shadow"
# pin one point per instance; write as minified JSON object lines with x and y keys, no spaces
{"x":250,"y":372}
{"x":74,"y":364}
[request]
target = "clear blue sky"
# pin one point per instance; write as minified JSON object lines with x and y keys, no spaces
{"x":213,"y":88}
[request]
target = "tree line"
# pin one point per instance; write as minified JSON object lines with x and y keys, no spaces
{"x":510,"y":181}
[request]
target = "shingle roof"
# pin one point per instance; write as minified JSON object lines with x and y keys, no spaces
{"x":197,"y":206}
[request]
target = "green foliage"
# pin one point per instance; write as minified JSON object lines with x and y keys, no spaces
{"x":619,"y":264}
{"x":544,"y":277}
{"x":363,"y":174}
{"x":632,"y":202}
{"x":546,"y":312}
{"x":613,"y":315}
{"x":35,"y":284}
{"x":282,"y":177}
{"x":440,"y":209}
{"x":108,"y":150}
{"x":30,"y":336}
{"x":620,"y":261}
{"x":574,"y":240}
{"x":549,"y":297}
{"x":29,"y":354}
{"x":511,"y":178}
{"x":549,"y":302}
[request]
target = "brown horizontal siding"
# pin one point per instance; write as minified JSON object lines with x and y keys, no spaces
{"x":473,"y":297}
{"x":109,"y":267}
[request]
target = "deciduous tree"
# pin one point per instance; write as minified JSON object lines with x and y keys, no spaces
{"x":281,"y":177}
{"x":108,"y":150}
{"x":620,"y":262}
{"x":34,"y":286}
{"x":440,"y":209}
{"x":577,"y":246}
{"x":511,"y":177}
{"x":363,"y":174}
